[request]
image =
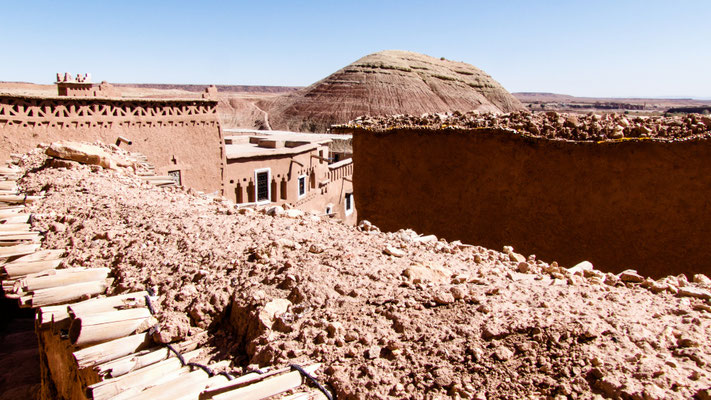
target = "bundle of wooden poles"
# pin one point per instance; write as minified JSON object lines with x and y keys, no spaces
{"x":94,"y":346}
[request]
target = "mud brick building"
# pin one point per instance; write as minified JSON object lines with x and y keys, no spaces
{"x":289,"y":168}
{"x":181,"y":137}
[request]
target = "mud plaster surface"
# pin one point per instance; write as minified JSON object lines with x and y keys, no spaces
{"x":442,"y":320}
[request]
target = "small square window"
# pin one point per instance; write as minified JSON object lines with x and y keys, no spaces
{"x":302,"y":186}
{"x":349,"y":203}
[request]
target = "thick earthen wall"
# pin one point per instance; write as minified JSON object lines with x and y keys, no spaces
{"x":180,"y":135}
{"x":642,"y":204}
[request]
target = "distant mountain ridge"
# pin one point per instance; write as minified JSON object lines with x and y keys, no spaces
{"x":221,"y":88}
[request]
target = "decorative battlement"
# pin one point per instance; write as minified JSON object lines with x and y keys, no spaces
{"x":73,"y":112}
{"x":81,"y":86}
{"x":67,"y":78}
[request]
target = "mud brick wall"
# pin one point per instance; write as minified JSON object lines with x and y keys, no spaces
{"x":641,"y":204}
{"x":180,"y":135}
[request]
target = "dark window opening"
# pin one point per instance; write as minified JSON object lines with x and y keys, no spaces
{"x":263,"y":186}
{"x":302,"y":185}
{"x":349,"y":203}
{"x":175,"y":175}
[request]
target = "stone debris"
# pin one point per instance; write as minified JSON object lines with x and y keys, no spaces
{"x":582,"y":268}
{"x":86,"y":154}
{"x":420,"y":273}
{"x":688,"y":291}
{"x":294,"y":213}
{"x":274,"y":211}
{"x":630,"y":275}
{"x":702,"y":279}
{"x":395,"y":252}
{"x":551,"y":124}
{"x":272,"y":310}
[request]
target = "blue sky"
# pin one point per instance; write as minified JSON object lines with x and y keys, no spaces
{"x":602,"y":48}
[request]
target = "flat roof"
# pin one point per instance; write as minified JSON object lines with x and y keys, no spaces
{"x":248,"y":146}
{"x":314,"y":136}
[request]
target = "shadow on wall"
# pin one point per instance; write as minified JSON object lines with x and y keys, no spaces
{"x":641,"y":205}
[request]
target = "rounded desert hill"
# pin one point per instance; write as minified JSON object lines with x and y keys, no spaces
{"x":390,"y":82}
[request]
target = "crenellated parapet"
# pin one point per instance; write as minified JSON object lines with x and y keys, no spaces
{"x":78,"y":112}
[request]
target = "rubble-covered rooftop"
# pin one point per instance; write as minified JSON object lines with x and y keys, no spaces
{"x":550,"y":125}
{"x":391,"y":315}
{"x":243,"y":146}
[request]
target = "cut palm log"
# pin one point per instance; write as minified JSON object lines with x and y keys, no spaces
{"x":159,"y":178}
{"x":49,"y":314}
{"x":10,"y":211}
{"x":184,"y":387}
{"x":18,"y":199}
{"x":133,"y":362}
{"x":15,"y":219}
{"x":141,"y":379}
{"x":298,"y":396}
{"x":117,"y":352}
{"x":15,"y":242}
{"x":19,"y":269}
{"x":8,"y":285}
{"x":268,"y":387}
{"x":162,"y":182}
{"x":112,"y":350}
{"x":19,"y":250}
{"x":105,"y":304}
{"x":42,"y":255}
{"x":8,"y":185}
{"x":9,"y":170}
{"x":135,"y":391}
{"x":102,"y":327}
{"x":65,"y":294}
{"x":242,"y":381}
{"x":14,"y":227}
{"x":17,"y":236}
{"x":63,"y":277}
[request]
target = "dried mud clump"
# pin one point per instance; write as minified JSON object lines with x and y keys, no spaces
{"x":551,"y":125}
{"x":391,"y":315}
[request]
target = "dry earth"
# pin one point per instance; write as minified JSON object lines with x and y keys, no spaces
{"x":392,"y":315}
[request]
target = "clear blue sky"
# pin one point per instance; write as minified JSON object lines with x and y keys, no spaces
{"x":595,"y":48}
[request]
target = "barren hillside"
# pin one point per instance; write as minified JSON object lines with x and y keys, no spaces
{"x":390,"y":82}
{"x":537,"y":101}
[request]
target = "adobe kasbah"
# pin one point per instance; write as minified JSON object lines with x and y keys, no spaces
{"x":404,"y":228}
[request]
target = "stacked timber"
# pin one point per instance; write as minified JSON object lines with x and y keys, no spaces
{"x":94,"y":346}
{"x":150,"y":173}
